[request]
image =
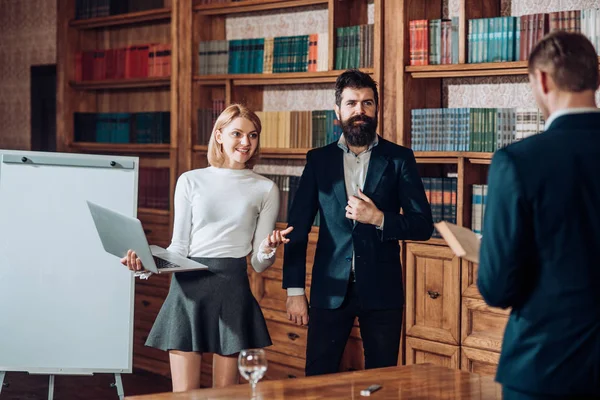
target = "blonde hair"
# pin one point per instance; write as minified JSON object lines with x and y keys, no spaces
{"x":215,"y":154}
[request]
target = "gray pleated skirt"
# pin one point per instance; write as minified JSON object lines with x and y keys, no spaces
{"x":210,"y":311}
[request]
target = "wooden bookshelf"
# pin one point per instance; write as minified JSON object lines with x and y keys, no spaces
{"x":250,"y":6}
{"x":289,"y":78}
{"x":468,"y":70}
{"x":118,"y":84}
{"x":120,"y":148}
{"x":268,"y":153}
{"x":441,"y":289}
{"x":149,"y":16}
{"x":153,"y":211}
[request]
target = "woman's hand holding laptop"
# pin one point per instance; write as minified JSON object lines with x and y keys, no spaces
{"x":132,"y":261}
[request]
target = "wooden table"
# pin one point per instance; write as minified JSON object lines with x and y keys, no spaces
{"x":421,"y":381}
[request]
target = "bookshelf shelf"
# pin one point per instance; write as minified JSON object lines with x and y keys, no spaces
{"x":272,"y":153}
{"x":286,"y":78}
{"x":117,"y":84}
{"x":160,"y":14}
{"x":153,"y":211}
{"x":472,"y":155}
{"x":121,"y":147}
{"x":468,"y":70}
{"x":254,"y":5}
{"x":433,"y":241}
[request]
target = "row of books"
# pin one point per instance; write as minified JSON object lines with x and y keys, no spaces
{"x":354,"y":46}
{"x":478,"y":200}
{"x":206,"y":120}
{"x":138,"y":61}
{"x":146,"y":127}
{"x":103,"y":8}
{"x":264,"y":55}
{"x":499,"y":39}
{"x":283,"y":129}
{"x":288,"y":187}
{"x":442,"y":195}
{"x":472,"y":129}
{"x":153,"y":188}
{"x":433,"y":42}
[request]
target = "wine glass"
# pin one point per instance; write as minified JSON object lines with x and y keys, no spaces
{"x":252,"y":364}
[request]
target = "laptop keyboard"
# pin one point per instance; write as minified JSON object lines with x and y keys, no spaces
{"x":160,"y":263}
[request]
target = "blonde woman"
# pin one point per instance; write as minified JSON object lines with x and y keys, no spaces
{"x":222,"y":214}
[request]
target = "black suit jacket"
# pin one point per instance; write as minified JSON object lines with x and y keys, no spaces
{"x":393,"y":183}
{"x":540,"y":256}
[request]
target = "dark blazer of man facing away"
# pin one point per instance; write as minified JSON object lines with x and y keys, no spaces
{"x":541,"y":235}
{"x":356,"y":271}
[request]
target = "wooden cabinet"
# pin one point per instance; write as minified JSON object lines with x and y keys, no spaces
{"x":432,"y":293}
{"x":479,"y":361}
{"x":448,"y":323}
{"x":419,"y":351}
{"x":482,"y":326}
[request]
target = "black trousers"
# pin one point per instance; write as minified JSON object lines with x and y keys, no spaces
{"x":328,"y":332}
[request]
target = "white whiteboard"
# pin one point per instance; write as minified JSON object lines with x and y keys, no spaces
{"x":66,"y":306}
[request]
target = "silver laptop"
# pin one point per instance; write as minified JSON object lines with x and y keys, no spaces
{"x":120,"y":233}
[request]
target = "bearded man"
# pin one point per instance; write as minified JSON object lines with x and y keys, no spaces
{"x":359,"y":185}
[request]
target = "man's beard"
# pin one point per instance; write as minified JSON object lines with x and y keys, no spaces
{"x":362,"y":134}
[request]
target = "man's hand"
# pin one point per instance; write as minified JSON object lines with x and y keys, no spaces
{"x":297,"y":309}
{"x":363,"y":210}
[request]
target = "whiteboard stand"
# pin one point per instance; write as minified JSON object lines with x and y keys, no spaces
{"x":51,"y":388}
{"x":119,"y":385}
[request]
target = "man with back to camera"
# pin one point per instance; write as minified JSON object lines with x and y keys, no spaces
{"x":358,"y":184}
{"x":539,"y":252}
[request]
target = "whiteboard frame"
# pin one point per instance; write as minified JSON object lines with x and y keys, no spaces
{"x":81,"y":160}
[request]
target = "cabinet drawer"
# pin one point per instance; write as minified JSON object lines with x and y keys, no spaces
{"x":158,"y":234}
{"x":479,"y":361}
{"x":276,"y":371}
{"x":273,"y":296}
{"x":469,"y":279}
{"x":147,"y":307}
{"x":288,"y":339}
{"x":432,"y":293}
{"x":419,"y":351}
{"x":482,"y":326}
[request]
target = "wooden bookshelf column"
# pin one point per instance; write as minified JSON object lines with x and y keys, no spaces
{"x":138,"y":99}
{"x":447,"y":322}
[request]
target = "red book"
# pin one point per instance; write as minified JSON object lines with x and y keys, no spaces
{"x":142,"y":60}
{"x":87,"y":72}
{"x":111,"y":63}
{"x":151,"y":60}
{"x":99,"y":66}
{"x":129,"y":62}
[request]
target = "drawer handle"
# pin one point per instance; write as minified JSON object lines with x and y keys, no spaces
{"x":147,"y":231}
{"x":290,"y":376}
{"x":433,"y":295}
{"x":292,"y":336}
{"x":145,"y":303}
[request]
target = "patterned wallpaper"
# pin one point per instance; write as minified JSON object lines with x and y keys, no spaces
{"x":504,"y":91}
{"x":301,"y":21}
{"x":27,"y":37}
